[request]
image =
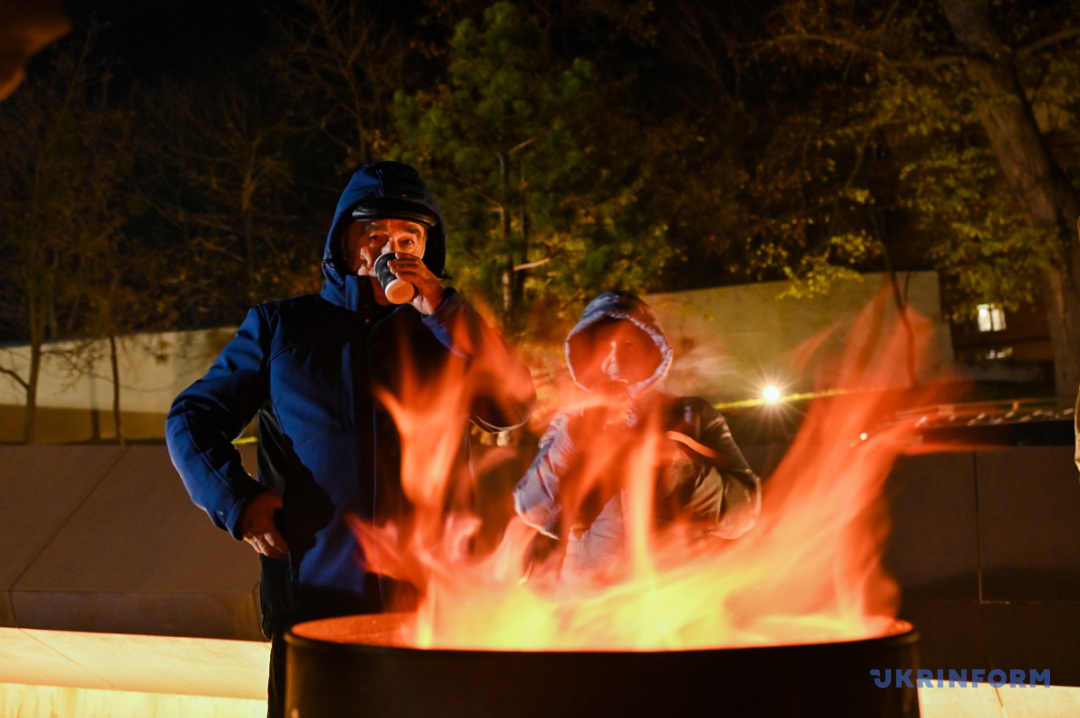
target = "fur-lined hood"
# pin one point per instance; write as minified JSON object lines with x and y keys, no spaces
{"x":609,"y":306}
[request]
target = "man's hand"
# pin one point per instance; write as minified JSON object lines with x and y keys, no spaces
{"x":429,"y":292}
{"x":258,"y":527}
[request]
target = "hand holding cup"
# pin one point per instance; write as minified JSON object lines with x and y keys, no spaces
{"x":409,"y":269}
{"x":397,"y":290}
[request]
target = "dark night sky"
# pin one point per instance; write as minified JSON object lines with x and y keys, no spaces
{"x":154,"y":36}
{"x":151,"y":36}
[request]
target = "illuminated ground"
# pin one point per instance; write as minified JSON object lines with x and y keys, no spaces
{"x":62,"y":673}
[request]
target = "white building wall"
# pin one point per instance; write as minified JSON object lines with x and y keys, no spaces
{"x":730,"y":341}
{"x":77,"y":377}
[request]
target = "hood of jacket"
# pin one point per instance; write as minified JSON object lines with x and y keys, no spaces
{"x":607,"y":307}
{"x":379,"y":180}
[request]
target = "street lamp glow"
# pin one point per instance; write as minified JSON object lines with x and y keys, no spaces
{"x":771,"y":394}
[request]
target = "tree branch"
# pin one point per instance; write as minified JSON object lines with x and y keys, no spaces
{"x":868,"y":52}
{"x":1065,"y":35}
{"x":531,"y":265}
{"x":15,"y":375}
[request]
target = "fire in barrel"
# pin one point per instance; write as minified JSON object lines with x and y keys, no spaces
{"x":787,"y":619}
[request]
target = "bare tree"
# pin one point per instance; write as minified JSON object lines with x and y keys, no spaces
{"x":220,"y":178}
{"x":341,"y":66}
{"x":59,"y":197}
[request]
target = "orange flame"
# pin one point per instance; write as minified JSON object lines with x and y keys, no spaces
{"x":810,"y":570}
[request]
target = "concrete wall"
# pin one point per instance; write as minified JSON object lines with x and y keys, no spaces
{"x":105,"y":539}
{"x":985,"y":545}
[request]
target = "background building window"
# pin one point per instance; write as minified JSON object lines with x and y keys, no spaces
{"x":991,"y":318}
{"x":1002,"y":353}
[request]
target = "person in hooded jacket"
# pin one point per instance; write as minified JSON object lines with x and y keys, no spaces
{"x":314,"y":369}
{"x":575,"y":491}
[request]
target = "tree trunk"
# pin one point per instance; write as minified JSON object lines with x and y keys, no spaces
{"x":37,"y":310}
{"x":1036,"y":180}
{"x":114,"y":360}
{"x":902,"y":311}
{"x":505,"y":227}
{"x":37,"y":336}
{"x":523,"y":222}
{"x":249,"y":246}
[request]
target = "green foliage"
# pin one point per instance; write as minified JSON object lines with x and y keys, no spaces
{"x":540,"y":218}
{"x":982,"y":242}
{"x":881,"y":153}
{"x":575,"y":147}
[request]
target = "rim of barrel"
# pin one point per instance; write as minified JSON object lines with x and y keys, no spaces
{"x":903,"y":634}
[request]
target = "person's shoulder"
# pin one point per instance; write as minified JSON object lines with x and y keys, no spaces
{"x":562,"y":418}
{"x":691,"y":408}
{"x":304,"y":304}
{"x":697,"y":403}
{"x":298,"y":316}
{"x":292,"y":303}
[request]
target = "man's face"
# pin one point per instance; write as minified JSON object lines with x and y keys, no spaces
{"x":364,"y":242}
{"x":624,"y":352}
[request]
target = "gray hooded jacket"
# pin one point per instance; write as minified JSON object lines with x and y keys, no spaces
{"x":705,"y":478}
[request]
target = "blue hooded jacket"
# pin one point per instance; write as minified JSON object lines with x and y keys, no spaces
{"x":708,"y":481}
{"x":311,"y":368}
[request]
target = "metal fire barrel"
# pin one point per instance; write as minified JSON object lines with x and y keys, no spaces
{"x":350,"y":667}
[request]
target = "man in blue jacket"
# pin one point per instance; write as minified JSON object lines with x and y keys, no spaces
{"x":318,"y":371}
{"x":576,"y":490}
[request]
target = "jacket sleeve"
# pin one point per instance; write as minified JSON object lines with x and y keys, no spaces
{"x":503,"y":394}
{"x":728,"y":494}
{"x":208,"y":415}
{"x":538,"y":495}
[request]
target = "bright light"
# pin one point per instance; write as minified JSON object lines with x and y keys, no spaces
{"x":771,"y":394}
